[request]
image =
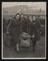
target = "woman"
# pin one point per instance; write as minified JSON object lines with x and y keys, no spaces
{"x":14,"y":29}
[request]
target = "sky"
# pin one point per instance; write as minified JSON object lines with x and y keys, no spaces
{"x":33,"y":4}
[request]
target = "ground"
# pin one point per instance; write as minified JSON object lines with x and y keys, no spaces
{"x":39,"y":51}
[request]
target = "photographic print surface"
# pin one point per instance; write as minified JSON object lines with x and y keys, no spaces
{"x":23,"y":30}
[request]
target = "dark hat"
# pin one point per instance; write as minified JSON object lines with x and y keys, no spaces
{"x":18,"y":14}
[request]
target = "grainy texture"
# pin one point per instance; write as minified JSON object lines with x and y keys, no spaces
{"x":24,"y":30}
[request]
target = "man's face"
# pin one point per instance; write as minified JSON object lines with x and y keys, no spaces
{"x":22,"y":16}
{"x":30,"y":18}
{"x":17,"y":17}
{"x":34,"y":18}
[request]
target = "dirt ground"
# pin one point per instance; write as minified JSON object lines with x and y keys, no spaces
{"x":39,"y":51}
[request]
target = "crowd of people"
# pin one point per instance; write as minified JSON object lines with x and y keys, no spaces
{"x":23,"y":23}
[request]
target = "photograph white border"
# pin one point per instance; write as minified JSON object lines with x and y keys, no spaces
{"x":22,"y":58}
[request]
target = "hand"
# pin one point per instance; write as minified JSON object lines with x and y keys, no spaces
{"x":7,"y":32}
{"x":33,"y":36}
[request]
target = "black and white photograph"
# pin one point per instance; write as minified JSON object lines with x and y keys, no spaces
{"x":23,"y":30}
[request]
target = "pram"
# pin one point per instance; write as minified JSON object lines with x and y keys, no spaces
{"x":25,"y":41}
